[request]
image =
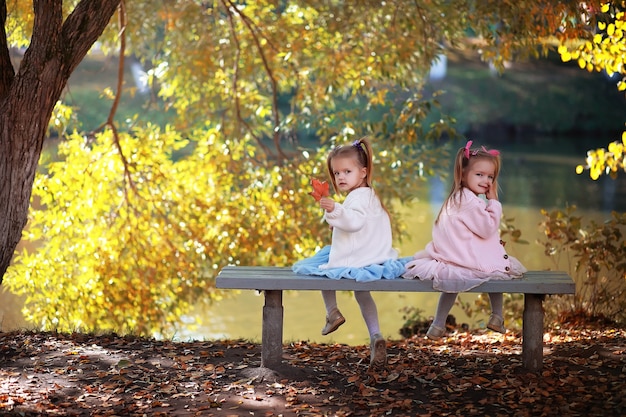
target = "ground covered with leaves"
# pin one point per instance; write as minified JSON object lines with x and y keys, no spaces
{"x":584,"y":374}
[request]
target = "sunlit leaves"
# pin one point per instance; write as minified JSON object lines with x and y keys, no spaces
{"x":130,"y":236}
{"x":603,"y":51}
{"x":19,"y":23}
{"x":62,"y":119}
{"x":607,"y":49}
{"x":232,"y":64}
{"x":128,"y":242}
{"x":606,"y":161}
{"x":20,"y":18}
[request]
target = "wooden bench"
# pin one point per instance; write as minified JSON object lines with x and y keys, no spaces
{"x":274,"y":280}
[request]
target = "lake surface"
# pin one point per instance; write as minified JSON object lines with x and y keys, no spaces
{"x":533,"y":176}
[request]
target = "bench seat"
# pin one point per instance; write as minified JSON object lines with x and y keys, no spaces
{"x":274,"y":280}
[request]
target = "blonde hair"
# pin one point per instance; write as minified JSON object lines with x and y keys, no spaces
{"x":465,"y":158}
{"x":361,"y":151}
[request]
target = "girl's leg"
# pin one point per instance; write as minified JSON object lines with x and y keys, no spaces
{"x":378,"y":345}
{"x":368,"y":311}
{"x":496,"y":300}
{"x":330,"y":300}
{"x":446,"y":301}
{"x":334,"y":318}
{"x":438,"y":327}
{"x":496,"y":320}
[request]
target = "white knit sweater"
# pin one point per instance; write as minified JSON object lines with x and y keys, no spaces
{"x":361,"y":231}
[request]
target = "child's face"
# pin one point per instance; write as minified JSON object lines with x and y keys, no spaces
{"x":348,"y":174}
{"x":479,"y":176}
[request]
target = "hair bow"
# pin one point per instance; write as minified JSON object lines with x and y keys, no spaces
{"x":467,"y":148}
{"x":492,"y":152}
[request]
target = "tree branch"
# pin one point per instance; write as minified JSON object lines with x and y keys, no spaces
{"x":118,"y":94}
{"x":83,"y":27}
{"x":110,"y":122}
{"x":47,"y":25}
{"x":233,"y":32}
{"x":120,"y":67}
{"x":276,"y":130}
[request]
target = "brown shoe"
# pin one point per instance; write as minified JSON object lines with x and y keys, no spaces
{"x":333,"y":321}
{"x":378,"y":352}
{"x":496,"y":323}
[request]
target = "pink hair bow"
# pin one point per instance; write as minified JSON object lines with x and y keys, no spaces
{"x":467,"y":148}
{"x":492,"y":152}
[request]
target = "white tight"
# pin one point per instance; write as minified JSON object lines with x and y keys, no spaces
{"x":446,"y":301}
{"x":366,"y":303}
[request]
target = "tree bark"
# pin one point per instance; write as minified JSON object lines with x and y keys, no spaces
{"x":28,"y":96}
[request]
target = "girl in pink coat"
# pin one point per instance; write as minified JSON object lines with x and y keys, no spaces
{"x":466,"y":249}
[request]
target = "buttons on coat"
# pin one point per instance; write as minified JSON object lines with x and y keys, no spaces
{"x":506,"y":256}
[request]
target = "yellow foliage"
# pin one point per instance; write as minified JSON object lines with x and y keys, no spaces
{"x":605,"y":161}
{"x":132,"y":229}
{"x":607,"y":52}
{"x":129,"y":242}
{"x":20,"y":18}
{"x":608,"y":49}
{"x":19,"y":22}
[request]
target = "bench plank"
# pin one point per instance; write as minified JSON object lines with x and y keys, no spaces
{"x":283,"y":278}
{"x":274,"y":280}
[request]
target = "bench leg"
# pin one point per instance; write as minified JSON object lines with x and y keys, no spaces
{"x":272,"y":336}
{"x":532,"y":332}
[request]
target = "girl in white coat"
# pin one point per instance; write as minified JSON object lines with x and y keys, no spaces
{"x":361,"y":247}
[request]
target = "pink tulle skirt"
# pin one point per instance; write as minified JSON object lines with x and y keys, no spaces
{"x":453,"y":278}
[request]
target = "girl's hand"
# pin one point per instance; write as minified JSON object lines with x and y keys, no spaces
{"x":327,"y":204}
{"x":491,"y":193}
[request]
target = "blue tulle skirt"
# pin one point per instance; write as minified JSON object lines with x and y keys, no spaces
{"x":391,"y":269}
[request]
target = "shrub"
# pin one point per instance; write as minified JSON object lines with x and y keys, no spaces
{"x":595,"y":256}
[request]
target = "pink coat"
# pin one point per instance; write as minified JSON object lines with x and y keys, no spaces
{"x":467,"y":235}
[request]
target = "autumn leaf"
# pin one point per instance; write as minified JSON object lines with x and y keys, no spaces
{"x":320,"y":189}
{"x":476,"y":374}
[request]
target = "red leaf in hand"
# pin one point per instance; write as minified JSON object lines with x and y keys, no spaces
{"x":320,"y":189}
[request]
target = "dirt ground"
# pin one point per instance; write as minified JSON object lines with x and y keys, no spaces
{"x":465,"y":374}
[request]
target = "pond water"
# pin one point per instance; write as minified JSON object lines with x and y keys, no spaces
{"x":534,"y":176}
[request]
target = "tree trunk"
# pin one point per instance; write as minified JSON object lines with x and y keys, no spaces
{"x":28,"y":97}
